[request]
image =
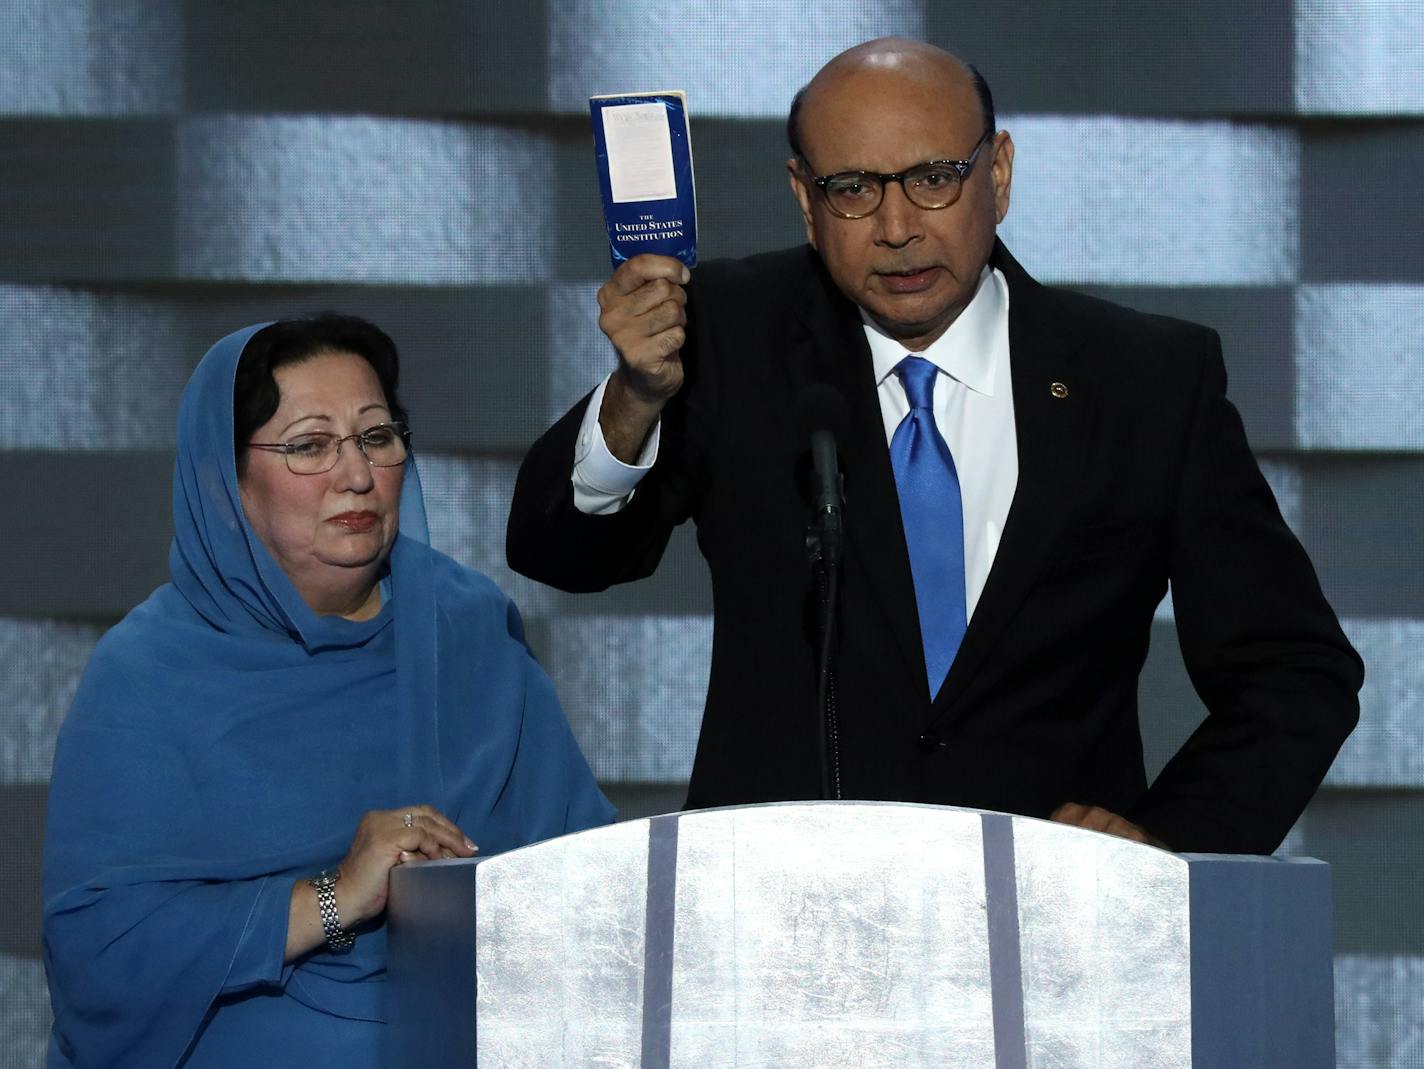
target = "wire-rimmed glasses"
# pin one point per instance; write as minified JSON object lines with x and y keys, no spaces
{"x":384,"y":445}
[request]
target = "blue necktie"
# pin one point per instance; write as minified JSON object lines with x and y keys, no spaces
{"x":933,"y":517}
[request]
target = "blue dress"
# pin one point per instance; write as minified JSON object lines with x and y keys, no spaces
{"x":224,"y":743}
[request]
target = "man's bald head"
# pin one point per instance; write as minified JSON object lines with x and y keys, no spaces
{"x":913,"y":59}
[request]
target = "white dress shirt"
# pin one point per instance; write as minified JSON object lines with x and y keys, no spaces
{"x":603,"y":484}
{"x":973,"y":409}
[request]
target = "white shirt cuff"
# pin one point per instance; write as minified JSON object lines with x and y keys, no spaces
{"x":603,"y":484}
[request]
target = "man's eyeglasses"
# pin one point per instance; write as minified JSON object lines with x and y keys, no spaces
{"x":385,"y":445}
{"x":932,"y":185}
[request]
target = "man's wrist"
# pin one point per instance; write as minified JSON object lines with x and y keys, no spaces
{"x":627,"y":416}
{"x":637,"y":391}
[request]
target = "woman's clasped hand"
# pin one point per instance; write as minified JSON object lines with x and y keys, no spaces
{"x":384,"y":839}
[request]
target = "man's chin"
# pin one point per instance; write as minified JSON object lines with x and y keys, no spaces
{"x":906,"y":323}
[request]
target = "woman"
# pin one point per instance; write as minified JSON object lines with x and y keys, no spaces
{"x":316,"y":697}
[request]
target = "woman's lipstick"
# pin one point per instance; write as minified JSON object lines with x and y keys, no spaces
{"x":355,"y":522}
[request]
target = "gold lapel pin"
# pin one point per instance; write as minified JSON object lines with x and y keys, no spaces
{"x":1058,"y":390}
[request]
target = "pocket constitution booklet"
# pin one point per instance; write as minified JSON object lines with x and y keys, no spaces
{"x":644,"y":151}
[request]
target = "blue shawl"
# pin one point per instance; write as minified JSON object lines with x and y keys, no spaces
{"x":225,"y":741}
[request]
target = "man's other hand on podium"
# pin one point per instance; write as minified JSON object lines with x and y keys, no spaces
{"x":1096,"y":818}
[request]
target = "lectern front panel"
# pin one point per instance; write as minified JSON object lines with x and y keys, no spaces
{"x":858,"y":942}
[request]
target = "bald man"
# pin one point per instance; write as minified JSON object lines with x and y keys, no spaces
{"x":1025,"y":470}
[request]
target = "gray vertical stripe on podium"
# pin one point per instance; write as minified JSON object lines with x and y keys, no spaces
{"x":658,"y":942}
{"x":1001,"y":904}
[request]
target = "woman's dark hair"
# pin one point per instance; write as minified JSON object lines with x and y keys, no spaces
{"x":255,"y":396}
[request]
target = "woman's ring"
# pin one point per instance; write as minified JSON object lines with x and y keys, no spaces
{"x":408,"y":819}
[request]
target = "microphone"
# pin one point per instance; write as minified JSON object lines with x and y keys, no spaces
{"x":822,"y":414}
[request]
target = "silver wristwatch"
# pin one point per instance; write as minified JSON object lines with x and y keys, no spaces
{"x":337,"y":937}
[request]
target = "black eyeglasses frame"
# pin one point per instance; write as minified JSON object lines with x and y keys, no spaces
{"x":963,"y":168}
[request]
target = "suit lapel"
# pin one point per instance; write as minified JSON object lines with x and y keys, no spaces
{"x":1050,"y":431}
{"x":828,"y":345}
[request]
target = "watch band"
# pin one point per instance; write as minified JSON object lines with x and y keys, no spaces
{"x":337,"y":937}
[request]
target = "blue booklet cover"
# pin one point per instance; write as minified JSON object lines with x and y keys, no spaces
{"x":644,"y":152}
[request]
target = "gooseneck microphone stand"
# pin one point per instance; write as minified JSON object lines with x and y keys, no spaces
{"x":824,"y":545}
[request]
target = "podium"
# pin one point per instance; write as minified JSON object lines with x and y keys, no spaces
{"x":859,"y":934}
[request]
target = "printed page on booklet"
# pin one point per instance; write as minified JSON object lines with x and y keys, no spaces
{"x":644,"y":151}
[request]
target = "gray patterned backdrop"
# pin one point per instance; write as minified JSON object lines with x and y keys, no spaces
{"x":172,"y":169}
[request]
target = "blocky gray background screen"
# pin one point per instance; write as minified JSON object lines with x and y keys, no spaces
{"x":173,"y":169}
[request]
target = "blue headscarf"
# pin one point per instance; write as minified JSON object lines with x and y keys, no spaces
{"x":225,"y":741}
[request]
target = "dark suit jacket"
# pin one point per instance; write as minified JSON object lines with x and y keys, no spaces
{"x":1140,"y":474}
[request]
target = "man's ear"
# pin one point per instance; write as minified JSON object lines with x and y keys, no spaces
{"x":1001,"y":170}
{"x":801,"y":190}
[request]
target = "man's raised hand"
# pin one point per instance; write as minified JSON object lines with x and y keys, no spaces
{"x":644,"y":314}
